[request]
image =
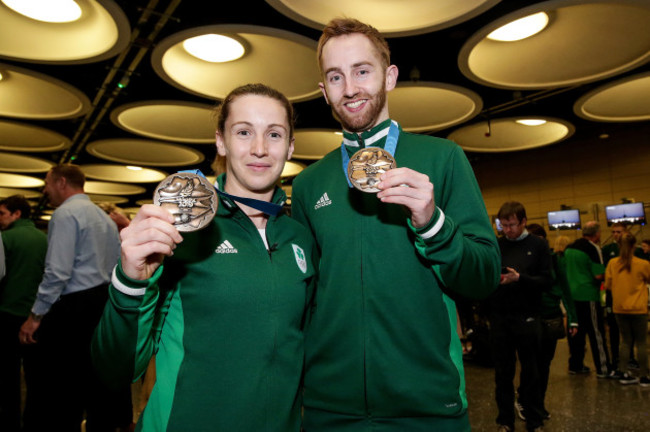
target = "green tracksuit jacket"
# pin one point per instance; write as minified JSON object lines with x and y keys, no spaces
{"x":25,"y":248}
{"x":225,"y":319}
{"x":382,"y":351}
{"x":583,"y":264}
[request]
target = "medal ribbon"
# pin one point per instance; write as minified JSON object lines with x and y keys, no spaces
{"x":390,"y":146}
{"x":266,"y":207}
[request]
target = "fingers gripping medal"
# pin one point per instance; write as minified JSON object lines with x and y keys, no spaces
{"x":190,"y":198}
{"x":366,"y":167}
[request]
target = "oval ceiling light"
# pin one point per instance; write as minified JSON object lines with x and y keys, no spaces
{"x":29,"y":194}
{"x":13,"y":162}
{"x":521,"y":28}
{"x":20,"y":181}
{"x":430,"y":106}
{"x":277,"y":58}
{"x":531,"y":122}
{"x":22,"y":137}
{"x":32,"y":95}
{"x":109,"y":188}
{"x":113,"y":199}
{"x":100,"y":30}
{"x":313,"y":144}
{"x":292,"y":169}
{"x":391,"y":17}
{"x":214,"y":48}
{"x":507,"y":134}
{"x":584,"y":41}
{"x":168,"y":120}
{"x":624,"y":100}
{"x":138,"y":152}
{"x":121,"y":173}
{"x":51,"y":11}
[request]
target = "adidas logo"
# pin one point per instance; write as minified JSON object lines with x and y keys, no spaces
{"x":225,"y":248}
{"x":323,"y":201}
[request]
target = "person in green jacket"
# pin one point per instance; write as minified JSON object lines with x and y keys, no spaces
{"x":225,"y":314}
{"x":585,"y":272}
{"x":382,"y":351}
{"x":25,"y":247}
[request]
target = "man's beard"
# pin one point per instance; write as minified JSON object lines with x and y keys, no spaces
{"x":355,"y":122}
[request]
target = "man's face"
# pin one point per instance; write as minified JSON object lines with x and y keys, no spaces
{"x":7,"y":218}
{"x":645,"y":247}
{"x":52,"y":190}
{"x":617,"y":232}
{"x":356,"y":82}
{"x":513,"y":227}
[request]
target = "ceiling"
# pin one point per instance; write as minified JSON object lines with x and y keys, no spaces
{"x":116,"y":90}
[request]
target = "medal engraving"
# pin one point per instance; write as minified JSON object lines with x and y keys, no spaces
{"x":366,"y":167}
{"x":190,"y":198}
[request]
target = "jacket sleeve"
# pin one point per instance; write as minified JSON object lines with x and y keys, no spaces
{"x":608,"y":276}
{"x":128,"y":332}
{"x":459,"y":240}
{"x":567,"y":300}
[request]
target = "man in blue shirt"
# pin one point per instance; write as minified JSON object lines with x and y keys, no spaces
{"x":83,"y":248}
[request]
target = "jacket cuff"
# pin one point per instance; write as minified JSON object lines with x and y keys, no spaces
{"x":433,"y":227}
{"x":132,"y":287}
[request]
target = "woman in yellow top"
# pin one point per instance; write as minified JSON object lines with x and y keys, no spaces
{"x":628,"y":278}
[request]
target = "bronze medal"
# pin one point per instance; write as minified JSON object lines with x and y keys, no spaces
{"x":366,"y":167}
{"x":190,"y":198}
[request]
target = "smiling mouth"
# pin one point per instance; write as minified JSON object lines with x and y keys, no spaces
{"x":355,"y":104}
{"x":258,"y":166}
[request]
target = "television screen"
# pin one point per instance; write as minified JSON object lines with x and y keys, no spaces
{"x":632,"y":213}
{"x":497,"y":222}
{"x":564,"y":220}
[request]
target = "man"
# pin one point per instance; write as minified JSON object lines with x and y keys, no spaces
{"x":83,"y":249}
{"x":515,"y":324}
{"x":585,"y":272}
{"x":24,"y":259}
{"x":644,"y":252}
{"x":382,"y":350}
{"x":611,"y":250}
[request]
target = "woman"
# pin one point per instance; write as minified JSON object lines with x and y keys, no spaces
{"x":225,"y":316}
{"x":627,"y":277}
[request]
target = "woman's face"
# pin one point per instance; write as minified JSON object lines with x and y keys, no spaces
{"x":256,"y":142}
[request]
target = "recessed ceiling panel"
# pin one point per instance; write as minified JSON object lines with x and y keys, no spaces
{"x":22,"y":137}
{"x":313,"y":144}
{"x":391,"y":17}
{"x":122,"y":173}
{"x":107,"y":188}
{"x":625,"y":100}
{"x":185,"y":122}
{"x":283,"y":60}
{"x":23,"y":164}
{"x":20,"y":181}
{"x":507,"y":134}
{"x":429,"y":106}
{"x":32,"y":95}
{"x":113,"y":199}
{"x":292,"y":169}
{"x":583,"y":41}
{"x":101,"y":31}
{"x":144,"y":152}
{"x":27,"y":193}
